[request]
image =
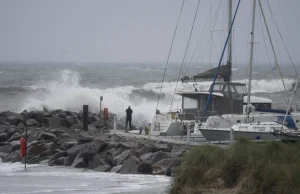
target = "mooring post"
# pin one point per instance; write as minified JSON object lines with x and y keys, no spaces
{"x":231,"y":135}
{"x":100,"y":115}
{"x":188,"y":134}
{"x":115,"y":125}
{"x":85,"y":117}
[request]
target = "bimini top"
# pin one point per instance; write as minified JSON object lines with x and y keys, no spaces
{"x":199,"y":93}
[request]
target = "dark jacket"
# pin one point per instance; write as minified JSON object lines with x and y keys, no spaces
{"x":129,"y":113}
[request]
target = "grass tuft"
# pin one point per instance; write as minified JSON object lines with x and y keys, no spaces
{"x":244,"y":167}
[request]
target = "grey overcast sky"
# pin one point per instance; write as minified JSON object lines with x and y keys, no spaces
{"x":137,"y":30}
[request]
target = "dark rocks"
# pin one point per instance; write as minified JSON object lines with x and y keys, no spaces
{"x":12,"y":157}
{"x":15,"y":145}
{"x":32,"y":123}
{"x":103,"y":168}
{"x":5,"y":148}
{"x":63,"y":143}
{"x":144,"y":168}
{"x":46,"y":136}
{"x":166,"y":166}
{"x":121,"y":157}
{"x":57,"y":132}
{"x":76,"y":126}
{"x":15,"y":137}
{"x":57,"y":162}
{"x":98,"y":160}
{"x":147,"y":149}
{"x":67,"y":145}
{"x":4,"y":121}
{"x":152,"y":158}
{"x":3,"y":137}
{"x":116,"y":169}
{"x":84,"y":140}
{"x":38,"y":116}
{"x":58,"y":155}
{"x":49,"y":152}
{"x":130,"y":166}
{"x":79,"y":162}
{"x":36,"y":149}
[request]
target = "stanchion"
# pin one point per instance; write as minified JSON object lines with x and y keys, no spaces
{"x":85,"y":117}
{"x":188,"y":134}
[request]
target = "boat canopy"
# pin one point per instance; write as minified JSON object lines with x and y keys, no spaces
{"x":224,"y":72}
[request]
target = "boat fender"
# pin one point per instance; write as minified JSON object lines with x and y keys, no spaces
{"x":22,"y":147}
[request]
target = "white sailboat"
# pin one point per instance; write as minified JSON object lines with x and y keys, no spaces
{"x":225,"y":93}
{"x":256,"y":126}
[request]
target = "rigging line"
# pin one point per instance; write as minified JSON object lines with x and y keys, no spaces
{"x":170,"y":52}
{"x":198,"y":42}
{"x":270,"y":63}
{"x":282,"y":38}
{"x":272,"y":46}
{"x":216,"y":74}
{"x":211,"y":36}
{"x":187,"y":46}
{"x":280,"y":10}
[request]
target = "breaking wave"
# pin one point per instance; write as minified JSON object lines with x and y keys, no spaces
{"x":65,"y":92}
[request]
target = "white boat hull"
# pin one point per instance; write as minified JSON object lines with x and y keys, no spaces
{"x":224,"y":135}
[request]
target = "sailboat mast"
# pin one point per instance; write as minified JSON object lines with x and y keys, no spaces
{"x":251,"y":59}
{"x":229,"y":46}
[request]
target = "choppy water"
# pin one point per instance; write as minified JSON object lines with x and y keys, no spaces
{"x":45,"y":179}
{"x":33,"y":86}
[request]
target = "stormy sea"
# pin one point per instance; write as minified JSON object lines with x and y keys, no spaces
{"x":68,"y":86}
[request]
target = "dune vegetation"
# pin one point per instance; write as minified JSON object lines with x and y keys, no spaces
{"x":245,"y":167}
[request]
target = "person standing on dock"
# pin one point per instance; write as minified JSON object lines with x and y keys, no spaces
{"x":128,"y":117}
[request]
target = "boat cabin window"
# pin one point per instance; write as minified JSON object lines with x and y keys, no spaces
{"x":262,"y":105}
{"x":238,"y":121}
{"x":189,"y":103}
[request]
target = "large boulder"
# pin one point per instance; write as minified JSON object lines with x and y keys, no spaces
{"x":57,"y":162}
{"x":144,"y":168}
{"x":36,"y":149}
{"x":87,"y":150}
{"x":10,"y":132}
{"x":57,"y":132}
{"x":76,"y":126}
{"x":37,"y":115}
{"x":69,"y":121}
{"x":15,"y":145}
{"x":67,"y":145}
{"x":166,"y":166}
{"x":32,"y":123}
{"x":119,"y":159}
{"x":85,"y":140}
{"x":25,"y":116}
{"x":58,"y":155}
{"x":46,"y":136}
{"x":152,"y":158}
{"x":5,"y":147}
{"x":15,"y":137}
{"x":79,"y":162}
{"x":4,"y":121}
{"x":103,"y":168}
{"x":147,"y":149}
{"x":130,"y":166}
{"x":98,"y":160}
{"x":3,"y":137}
{"x":63,"y":139}
{"x":49,"y":152}
{"x":12,"y":157}
{"x":116,"y":169}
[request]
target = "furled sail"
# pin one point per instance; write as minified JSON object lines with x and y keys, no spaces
{"x":224,"y":73}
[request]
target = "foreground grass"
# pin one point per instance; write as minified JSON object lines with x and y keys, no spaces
{"x":245,"y":167}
